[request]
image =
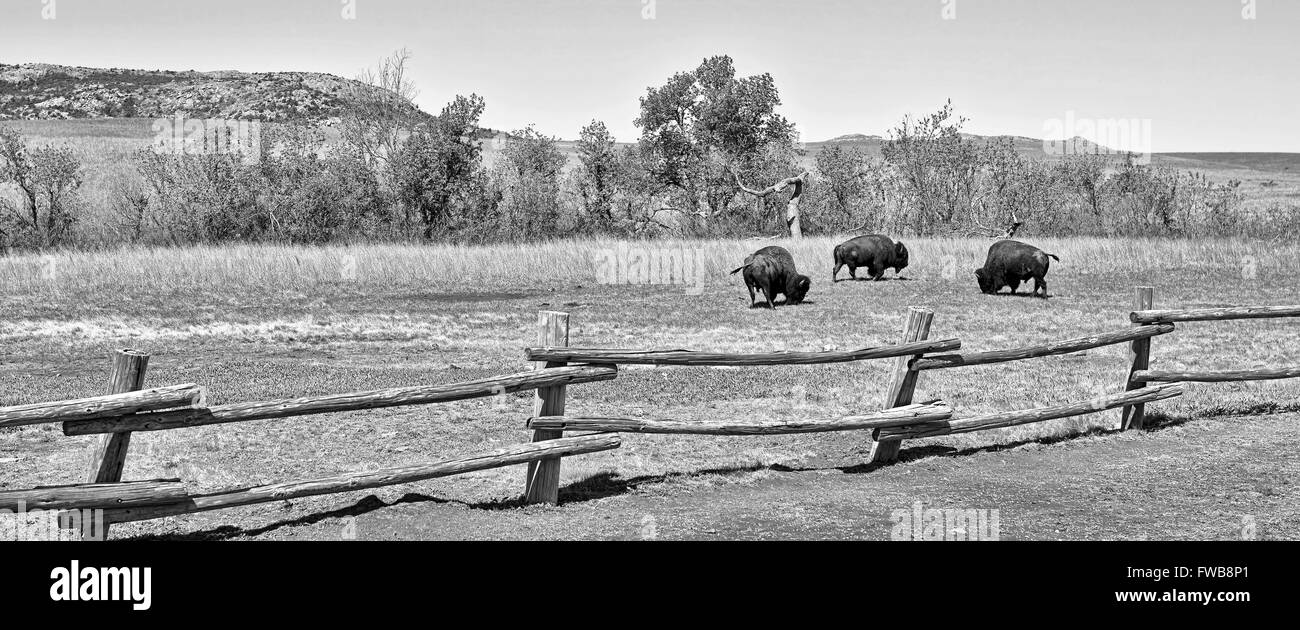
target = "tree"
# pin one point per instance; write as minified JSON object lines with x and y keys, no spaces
{"x":938,"y":166}
{"x":792,"y":207}
{"x":1085,"y":175}
{"x":527,"y":178}
{"x":47,"y":180}
{"x":700,"y":126}
{"x":1147,"y":196}
{"x":598,"y":172}
{"x":378,"y":117}
{"x":852,"y":191}
{"x":737,"y":115}
{"x":639,"y":206}
{"x":439,"y":162}
{"x":1034,"y":194}
{"x":311,"y":195}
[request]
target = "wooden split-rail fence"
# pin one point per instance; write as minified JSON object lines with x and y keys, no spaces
{"x":130,"y":407}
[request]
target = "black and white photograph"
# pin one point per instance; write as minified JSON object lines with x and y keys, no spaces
{"x":888,"y":274}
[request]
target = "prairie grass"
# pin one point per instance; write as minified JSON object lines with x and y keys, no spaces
{"x":456,"y":268}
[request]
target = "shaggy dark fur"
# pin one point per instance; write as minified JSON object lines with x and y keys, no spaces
{"x":876,"y":252}
{"x":1011,"y":262}
{"x":772,"y":270}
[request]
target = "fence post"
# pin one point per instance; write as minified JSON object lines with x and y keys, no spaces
{"x":109,"y":456}
{"x":903,"y":381}
{"x":543,"y":483}
{"x":1140,"y":350}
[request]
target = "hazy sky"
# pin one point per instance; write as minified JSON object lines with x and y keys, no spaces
{"x":1206,"y":78}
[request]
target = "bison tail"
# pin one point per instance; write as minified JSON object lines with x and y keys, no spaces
{"x":733,"y":271}
{"x":1054,"y":257}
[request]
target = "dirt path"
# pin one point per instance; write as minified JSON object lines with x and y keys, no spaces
{"x":1191,"y":480}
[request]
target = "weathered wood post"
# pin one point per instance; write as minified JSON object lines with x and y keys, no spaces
{"x":902,"y":383}
{"x":1140,"y":351}
{"x":543,"y":483}
{"x":109,"y":456}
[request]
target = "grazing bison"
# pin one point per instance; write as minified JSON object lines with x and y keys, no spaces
{"x":1011,"y":262}
{"x":772,"y":270}
{"x":876,"y":252}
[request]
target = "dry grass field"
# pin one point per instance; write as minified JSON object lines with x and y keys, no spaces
{"x":255,"y":323}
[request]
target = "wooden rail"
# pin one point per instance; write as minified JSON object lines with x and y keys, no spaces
{"x":898,"y":416}
{"x":243,"y":412}
{"x":1061,"y":347}
{"x":692,"y":357}
{"x":110,"y":406}
{"x":508,"y":456}
{"x":1026,"y":416}
{"x":88,"y":496}
{"x":1213,"y":314}
{"x":1159,"y":376}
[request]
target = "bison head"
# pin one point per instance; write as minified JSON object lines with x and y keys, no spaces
{"x":900,"y":257}
{"x":797,"y":289}
{"x":986,"y":281}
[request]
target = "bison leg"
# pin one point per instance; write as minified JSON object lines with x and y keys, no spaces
{"x":876,"y":273}
{"x":836,"y":271}
{"x":751,"y":294}
{"x":853,"y":272}
{"x":770,"y":294}
{"x":1040,"y":283}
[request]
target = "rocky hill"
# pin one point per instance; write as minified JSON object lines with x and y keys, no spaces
{"x":45,"y":91}
{"x":853,"y":137}
{"x":1032,"y":147}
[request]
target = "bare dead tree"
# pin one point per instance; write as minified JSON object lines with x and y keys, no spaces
{"x":987,"y":232}
{"x":380,"y":115}
{"x":792,"y":208}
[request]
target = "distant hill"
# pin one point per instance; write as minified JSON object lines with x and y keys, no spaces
{"x":1032,"y":147}
{"x":46,"y":91}
{"x":853,"y":137}
{"x":1255,"y":161}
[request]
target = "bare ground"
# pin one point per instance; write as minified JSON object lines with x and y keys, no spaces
{"x":1183,"y":480}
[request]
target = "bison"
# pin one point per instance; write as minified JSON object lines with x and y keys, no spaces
{"x":772,"y":270}
{"x":1011,"y":262}
{"x":876,"y":252}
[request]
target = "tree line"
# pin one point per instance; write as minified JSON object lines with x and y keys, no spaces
{"x":389,"y":172}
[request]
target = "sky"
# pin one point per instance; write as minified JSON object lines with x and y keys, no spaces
{"x":1169,"y":75}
